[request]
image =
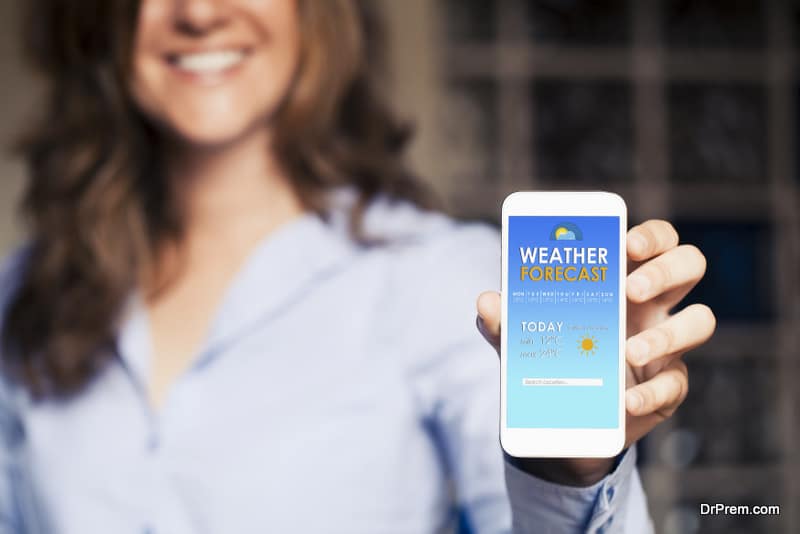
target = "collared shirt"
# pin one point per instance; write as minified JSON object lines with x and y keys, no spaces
{"x":340,"y":388}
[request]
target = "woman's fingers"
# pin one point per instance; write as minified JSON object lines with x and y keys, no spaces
{"x":678,"y":267}
{"x":488,"y":319}
{"x":651,"y":238}
{"x":683,"y":331}
{"x":662,"y":394}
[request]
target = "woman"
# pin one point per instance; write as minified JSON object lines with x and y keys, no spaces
{"x":234,"y":313}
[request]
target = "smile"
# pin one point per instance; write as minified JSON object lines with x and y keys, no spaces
{"x":210,"y":62}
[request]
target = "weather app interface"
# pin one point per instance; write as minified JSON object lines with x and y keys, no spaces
{"x":563,"y":322}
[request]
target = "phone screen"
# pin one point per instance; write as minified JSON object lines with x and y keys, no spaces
{"x":563,"y":322}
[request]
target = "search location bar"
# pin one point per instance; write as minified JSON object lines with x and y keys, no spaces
{"x":562,"y":381}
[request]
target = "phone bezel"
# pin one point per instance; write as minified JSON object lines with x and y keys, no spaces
{"x":563,"y":442}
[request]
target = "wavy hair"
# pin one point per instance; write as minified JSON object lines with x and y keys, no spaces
{"x":96,"y":203}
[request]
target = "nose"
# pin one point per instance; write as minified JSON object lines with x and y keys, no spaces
{"x":198,"y":17}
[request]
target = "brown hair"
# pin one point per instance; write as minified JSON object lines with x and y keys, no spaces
{"x":95,"y":220}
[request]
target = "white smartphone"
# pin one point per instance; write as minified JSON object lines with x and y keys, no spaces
{"x":563,"y":324}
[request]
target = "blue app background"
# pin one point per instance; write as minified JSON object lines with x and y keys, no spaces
{"x":585,"y":308}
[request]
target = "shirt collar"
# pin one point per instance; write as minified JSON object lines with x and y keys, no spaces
{"x":280,"y":268}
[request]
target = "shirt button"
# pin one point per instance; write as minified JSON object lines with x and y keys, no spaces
{"x":610,"y":493}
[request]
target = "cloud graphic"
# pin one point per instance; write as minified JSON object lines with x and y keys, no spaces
{"x":566,"y":236}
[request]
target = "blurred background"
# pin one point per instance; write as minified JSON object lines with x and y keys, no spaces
{"x":689,"y":110}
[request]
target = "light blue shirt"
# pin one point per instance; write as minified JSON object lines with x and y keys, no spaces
{"x":340,"y":388}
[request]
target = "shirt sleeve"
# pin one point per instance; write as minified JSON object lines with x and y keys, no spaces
{"x":615,"y":504}
{"x":10,"y":428}
{"x":10,"y":521}
{"x":457,"y":384}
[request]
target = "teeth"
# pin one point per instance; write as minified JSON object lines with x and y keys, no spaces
{"x":209,"y":61}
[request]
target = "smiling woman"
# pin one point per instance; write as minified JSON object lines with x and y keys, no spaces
{"x":125,"y":100}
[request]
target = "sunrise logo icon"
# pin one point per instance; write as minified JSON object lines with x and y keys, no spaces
{"x":566,"y":231}
{"x":587,"y":345}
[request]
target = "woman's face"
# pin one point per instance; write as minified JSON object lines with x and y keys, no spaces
{"x":211,"y":71}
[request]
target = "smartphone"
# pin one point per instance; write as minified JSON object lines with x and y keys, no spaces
{"x":563,"y":324}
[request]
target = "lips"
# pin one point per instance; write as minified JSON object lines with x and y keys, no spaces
{"x":208,"y":62}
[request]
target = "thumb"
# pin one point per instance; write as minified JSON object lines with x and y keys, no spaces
{"x":488,"y":319}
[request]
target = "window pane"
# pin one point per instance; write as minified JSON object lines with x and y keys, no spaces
{"x":576,"y":22}
{"x":728,"y":23}
{"x":740,"y":276}
{"x":469,"y":20}
{"x":583,"y":132}
{"x":717,"y":133}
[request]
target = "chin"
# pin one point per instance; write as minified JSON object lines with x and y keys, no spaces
{"x":211,"y":132}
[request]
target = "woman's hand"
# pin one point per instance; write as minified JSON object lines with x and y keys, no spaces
{"x":661,"y":273}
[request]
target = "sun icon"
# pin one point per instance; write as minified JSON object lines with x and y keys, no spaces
{"x":587,"y":345}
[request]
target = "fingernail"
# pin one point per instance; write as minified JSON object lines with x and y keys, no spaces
{"x":635,"y":401}
{"x":638,"y":285}
{"x":636,"y":242}
{"x":638,"y":349}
